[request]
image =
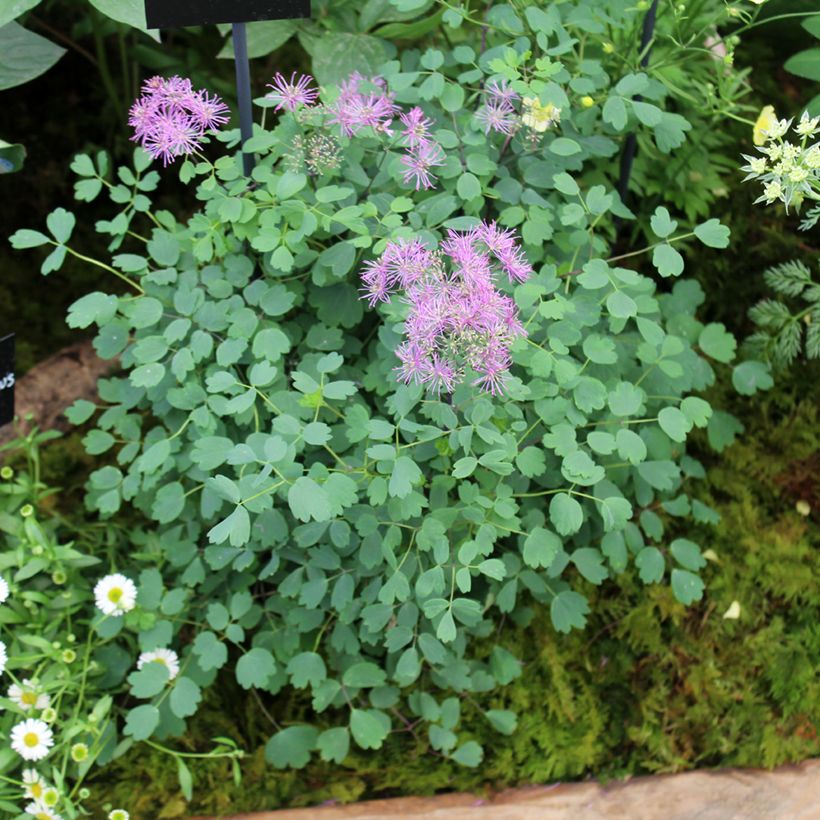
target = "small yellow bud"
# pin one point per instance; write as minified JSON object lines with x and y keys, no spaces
{"x":608,"y":48}
{"x":587,"y":101}
{"x":803,"y":508}
{"x":6,"y":473}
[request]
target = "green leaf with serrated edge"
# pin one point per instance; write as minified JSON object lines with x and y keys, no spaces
{"x":650,"y":564}
{"x":255,"y":668}
{"x":568,"y":610}
{"x":291,"y":747}
{"x":713,"y":234}
{"x":686,"y":586}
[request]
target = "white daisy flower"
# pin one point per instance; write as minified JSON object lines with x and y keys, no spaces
{"x":167,"y":657}
{"x":27,"y":696}
{"x":115,"y":594}
{"x":33,"y":785}
{"x":4,"y":658}
{"x":4,"y":590}
{"x":32,"y":739}
{"x":40,"y":812}
{"x":118,"y":814}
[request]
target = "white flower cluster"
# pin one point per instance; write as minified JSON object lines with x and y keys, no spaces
{"x":789,"y":171}
{"x":33,"y":738}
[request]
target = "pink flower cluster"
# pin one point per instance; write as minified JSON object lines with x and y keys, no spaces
{"x":498,"y":111}
{"x":458,"y":319}
{"x":170,"y":118}
{"x":365,"y":102}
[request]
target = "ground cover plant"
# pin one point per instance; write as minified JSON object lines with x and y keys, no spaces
{"x":400,"y":387}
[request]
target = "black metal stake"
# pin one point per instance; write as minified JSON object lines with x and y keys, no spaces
{"x":631,"y":144}
{"x":243,"y":91}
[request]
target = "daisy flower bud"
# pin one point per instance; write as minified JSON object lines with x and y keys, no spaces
{"x":32,"y":739}
{"x":27,"y":511}
{"x":79,"y":752}
{"x":118,"y":814}
{"x":68,"y":656}
{"x":115,"y":594}
{"x":6,"y":473}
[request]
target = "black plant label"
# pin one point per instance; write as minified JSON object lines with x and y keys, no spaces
{"x":6,"y":379}
{"x":172,"y":13}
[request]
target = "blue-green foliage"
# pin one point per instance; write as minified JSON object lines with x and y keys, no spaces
{"x":330,"y":529}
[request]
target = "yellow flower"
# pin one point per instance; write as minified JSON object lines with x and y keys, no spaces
{"x":539,"y":117}
{"x":765,"y":120}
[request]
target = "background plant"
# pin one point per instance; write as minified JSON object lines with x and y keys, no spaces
{"x":789,"y":323}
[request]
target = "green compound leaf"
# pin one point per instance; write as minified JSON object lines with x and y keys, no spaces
{"x":307,"y":669}
{"x":687,"y":554}
{"x":541,"y":548}
{"x":364,"y":675}
{"x":662,"y":223}
{"x":148,"y":681}
{"x":749,"y":377}
{"x":308,"y":501}
{"x":667,"y":260}
{"x":568,"y":610}
{"x":590,"y":564}
{"x":255,"y":668}
{"x":369,"y":727}
{"x":291,"y":747}
{"x":334,"y":744}
{"x":715,"y":341}
{"x":650,"y":564}
{"x":713,"y":234}
{"x":566,"y":514}
{"x":141,"y":722}
{"x":185,"y":697}
{"x":674,"y":423}
{"x":405,"y":474}
{"x":469,"y":754}
{"x":686,"y":586}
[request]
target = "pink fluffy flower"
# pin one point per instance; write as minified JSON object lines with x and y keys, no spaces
{"x":419,"y":161}
{"x":416,"y":129}
{"x":458,"y":321}
{"x":170,"y":118}
{"x":363,"y":102}
{"x":291,"y":94}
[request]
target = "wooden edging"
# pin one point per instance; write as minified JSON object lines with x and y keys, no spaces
{"x":787,"y":793}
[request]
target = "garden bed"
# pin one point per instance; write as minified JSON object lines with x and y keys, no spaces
{"x":427,"y":460}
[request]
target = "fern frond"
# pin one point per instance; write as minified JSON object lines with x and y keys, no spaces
{"x":788,"y":278}
{"x":769,"y":313}
{"x":787,"y":344}
{"x":813,"y":335}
